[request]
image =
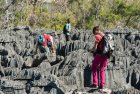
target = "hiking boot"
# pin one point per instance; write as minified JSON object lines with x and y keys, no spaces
{"x":101,"y":87}
{"x":93,"y":86}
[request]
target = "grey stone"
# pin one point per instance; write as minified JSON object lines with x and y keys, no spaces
{"x":27,"y":72}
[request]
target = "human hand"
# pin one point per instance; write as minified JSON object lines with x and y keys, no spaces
{"x":91,"y":50}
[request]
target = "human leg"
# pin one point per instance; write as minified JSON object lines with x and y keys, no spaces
{"x":103,"y":64}
{"x":95,"y":64}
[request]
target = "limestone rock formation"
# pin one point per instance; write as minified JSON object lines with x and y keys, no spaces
{"x":22,"y":71}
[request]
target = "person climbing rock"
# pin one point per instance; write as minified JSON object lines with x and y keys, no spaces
{"x":42,"y":44}
{"x":50,"y":42}
{"x":99,"y":59}
{"x":46,"y":44}
{"x":67,"y":30}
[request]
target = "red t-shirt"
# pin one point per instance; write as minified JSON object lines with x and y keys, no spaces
{"x":47,"y":38}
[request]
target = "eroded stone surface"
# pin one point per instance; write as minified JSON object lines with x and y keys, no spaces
{"x":22,"y":71}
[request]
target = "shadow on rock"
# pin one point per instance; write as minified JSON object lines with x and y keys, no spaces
{"x":53,"y":89}
{"x":87,"y":76}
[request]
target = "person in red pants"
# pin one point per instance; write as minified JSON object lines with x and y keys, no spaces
{"x":99,"y":59}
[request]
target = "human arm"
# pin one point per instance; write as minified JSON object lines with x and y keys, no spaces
{"x":94,"y":48}
{"x":97,"y":40}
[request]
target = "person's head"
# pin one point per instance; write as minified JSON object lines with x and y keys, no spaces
{"x":96,"y":30}
{"x":45,"y":34}
{"x":53,"y":34}
{"x":68,"y":20}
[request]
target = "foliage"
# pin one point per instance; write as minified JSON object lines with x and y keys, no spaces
{"x":82,"y":13}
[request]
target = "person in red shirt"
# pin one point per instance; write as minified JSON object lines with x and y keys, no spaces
{"x":47,"y":39}
{"x":43,"y":45}
{"x":49,"y":42}
{"x":99,"y":59}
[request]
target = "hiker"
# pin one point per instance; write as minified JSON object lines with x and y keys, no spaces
{"x":49,"y":41}
{"x":52,"y":48}
{"x":54,"y":35}
{"x":42,"y":44}
{"x":101,"y":57}
{"x":67,"y":30}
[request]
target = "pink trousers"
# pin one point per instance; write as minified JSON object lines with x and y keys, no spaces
{"x":102,"y":61}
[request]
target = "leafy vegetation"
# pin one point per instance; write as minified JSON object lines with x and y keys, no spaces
{"x":83,"y":13}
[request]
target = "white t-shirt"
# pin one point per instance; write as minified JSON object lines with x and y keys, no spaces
{"x":68,"y":27}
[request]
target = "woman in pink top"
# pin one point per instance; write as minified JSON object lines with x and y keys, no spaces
{"x":98,"y":60}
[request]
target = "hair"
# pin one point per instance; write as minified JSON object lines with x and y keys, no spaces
{"x":96,"y":28}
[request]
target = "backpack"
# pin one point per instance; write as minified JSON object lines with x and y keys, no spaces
{"x":106,"y":46}
{"x":65,"y":29}
{"x":49,"y":44}
{"x":41,"y":39}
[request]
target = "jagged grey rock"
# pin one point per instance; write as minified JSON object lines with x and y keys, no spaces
{"x":23,"y":71}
